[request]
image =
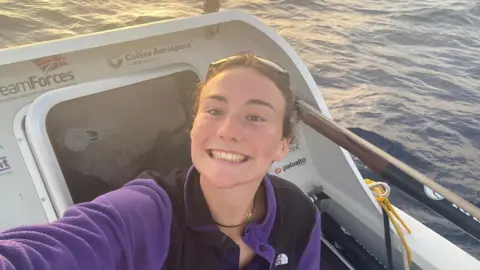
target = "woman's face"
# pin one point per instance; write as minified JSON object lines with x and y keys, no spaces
{"x":237,"y":132}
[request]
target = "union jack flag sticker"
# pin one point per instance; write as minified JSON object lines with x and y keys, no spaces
{"x":48,"y":64}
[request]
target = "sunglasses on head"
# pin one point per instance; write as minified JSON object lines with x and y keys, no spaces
{"x":268,"y":63}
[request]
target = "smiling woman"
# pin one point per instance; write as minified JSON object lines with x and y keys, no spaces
{"x":238,"y":131}
{"x":224,"y":212}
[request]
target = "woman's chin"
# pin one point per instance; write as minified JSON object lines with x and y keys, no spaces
{"x":222,"y":168}
{"x":223,"y":174}
{"x":224,"y":179}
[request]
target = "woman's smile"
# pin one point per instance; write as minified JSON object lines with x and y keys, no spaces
{"x":229,"y":156}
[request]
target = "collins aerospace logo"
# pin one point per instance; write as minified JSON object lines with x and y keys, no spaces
{"x":144,"y":56}
{"x":114,"y":62}
{"x":52,"y":78}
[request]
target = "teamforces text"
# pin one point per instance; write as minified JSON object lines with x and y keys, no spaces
{"x":33,"y":83}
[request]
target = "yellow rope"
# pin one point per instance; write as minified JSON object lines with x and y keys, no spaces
{"x":381,"y":195}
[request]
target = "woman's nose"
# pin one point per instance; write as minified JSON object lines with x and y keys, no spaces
{"x":230,"y":128}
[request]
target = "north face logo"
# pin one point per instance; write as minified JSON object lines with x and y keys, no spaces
{"x":282,"y":259}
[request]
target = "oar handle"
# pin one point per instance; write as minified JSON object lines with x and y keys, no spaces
{"x":379,"y":161}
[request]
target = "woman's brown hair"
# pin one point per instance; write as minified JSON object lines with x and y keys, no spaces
{"x":293,"y":113}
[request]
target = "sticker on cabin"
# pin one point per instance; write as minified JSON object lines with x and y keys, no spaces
{"x":144,"y":56}
{"x":54,"y":72}
{"x":292,"y":164}
{"x":297,"y":166}
{"x":294,"y":148}
{"x":49,"y":64}
{"x":294,"y":159}
{"x":4,"y":165}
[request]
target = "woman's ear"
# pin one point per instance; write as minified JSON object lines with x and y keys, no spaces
{"x":283,"y":149}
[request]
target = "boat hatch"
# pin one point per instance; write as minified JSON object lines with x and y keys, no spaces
{"x":91,"y":138}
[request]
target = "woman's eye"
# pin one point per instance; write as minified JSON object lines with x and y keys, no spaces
{"x":255,"y":118}
{"x":214,"y":112}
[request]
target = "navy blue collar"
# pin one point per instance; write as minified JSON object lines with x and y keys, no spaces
{"x":199,"y":219}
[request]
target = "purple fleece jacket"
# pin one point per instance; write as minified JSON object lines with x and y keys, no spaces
{"x":128,"y":228}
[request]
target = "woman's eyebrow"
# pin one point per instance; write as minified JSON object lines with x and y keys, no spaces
{"x":217,"y":97}
{"x":260,"y":102}
{"x":254,"y":101}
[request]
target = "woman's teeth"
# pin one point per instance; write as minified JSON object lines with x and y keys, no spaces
{"x":228,"y":156}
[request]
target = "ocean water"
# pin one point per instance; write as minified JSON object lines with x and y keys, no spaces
{"x":403,"y":74}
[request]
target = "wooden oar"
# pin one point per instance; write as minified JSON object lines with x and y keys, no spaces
{"x":454,"y":208}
